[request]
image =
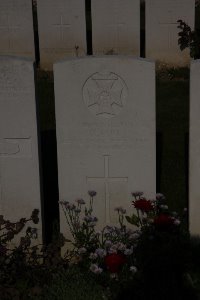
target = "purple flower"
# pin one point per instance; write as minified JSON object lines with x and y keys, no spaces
{"x":120,"y":209}
{"x":128,"y":251}
{"x":80,"y":201}
{"x":70,"y":206}
{"x":137,"y":194}
{"x":92,"y":193}
{"x":93,"y":256}
{"x":100,"y":252}
{"x":82,"y":250}
{"x":91,"y":219}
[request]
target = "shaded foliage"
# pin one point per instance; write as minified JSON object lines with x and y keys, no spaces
{"x":189,"y":38}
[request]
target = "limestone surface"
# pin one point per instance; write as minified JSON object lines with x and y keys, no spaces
{"x":16,"y":28}
{"x":19,"y":163}
{"x":194,"y":150}
{"x":162,"y":32}
{"x":116,"y":27}
{"x":62,"y":30}
{"x":105,"y":122}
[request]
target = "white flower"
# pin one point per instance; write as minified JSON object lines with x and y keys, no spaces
{"x":82,"y":250}
{"x":134,"y":236}
{"x":108,"y":243}
{"x":163,"y":206}
{"x":177,"y":222}
{"x":133,"y":269}
{"x":128,"y":251}
{"x":120,"y":209}
{"x":121,"y":246}
{"x":113,"y":249}
{"x":160,"y":196}
{"x":98,"y":271}
{"x":93,"y":256}
{"x":95,"y":269}
{"x":100,"y":252}
{"x":114,"y":276}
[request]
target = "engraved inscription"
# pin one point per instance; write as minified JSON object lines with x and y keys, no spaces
{"x":11,"y":79}
{"x":105,"y":94}
{"x":106,"y":180}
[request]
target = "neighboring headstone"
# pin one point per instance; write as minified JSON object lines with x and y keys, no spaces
{"x":105,"y":122}
{"x":162,"y":32}
{"x":116,"y":27}
{"x":62,"y":30}
{"x":19,"y":165}
{"x":194,"y":149}
{"x":16,"y":28}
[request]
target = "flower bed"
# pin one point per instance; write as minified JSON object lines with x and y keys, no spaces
{"x":152,"y":258}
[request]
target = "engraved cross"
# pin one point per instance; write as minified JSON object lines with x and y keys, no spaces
{"x":106,"y":180}
{"x":11,"y":30}
{"x":62,"y":26}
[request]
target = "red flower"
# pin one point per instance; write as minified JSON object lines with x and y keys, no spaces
{"x":143,"y":204}
{"x":163,"y":221}
{"x":114,"y":262}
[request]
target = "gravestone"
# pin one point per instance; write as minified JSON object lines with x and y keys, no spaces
{"x":105,"y":122}
{"x":194,"y":149}
{"x":19,"y":166}
{"x":162,"y":32}
{"x":116,"y":27}
{"x":62,"y":30}
{"x":16,"y":28}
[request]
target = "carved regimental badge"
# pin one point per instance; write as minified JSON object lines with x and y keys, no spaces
{"x":105,"y":94}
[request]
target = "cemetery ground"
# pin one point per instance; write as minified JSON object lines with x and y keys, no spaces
{"x":168,"y":264}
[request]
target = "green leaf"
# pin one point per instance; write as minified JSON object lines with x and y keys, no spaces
{"x":134,"y":220}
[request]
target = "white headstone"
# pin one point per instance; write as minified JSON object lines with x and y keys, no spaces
{"x":162,"y":32}
{"x":16,"y":28}
{"x":105,"y":122}
{"x":62,"y":30}
{"x":194,"y":150}
{"x":116,"y":27}
{"x":19,"y":166}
